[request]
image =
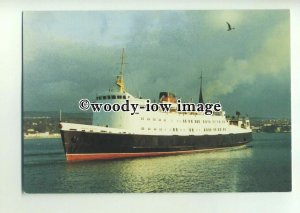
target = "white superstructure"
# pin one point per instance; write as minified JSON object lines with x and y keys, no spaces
{"x":157,"y":123}
{"x":164,"y":123}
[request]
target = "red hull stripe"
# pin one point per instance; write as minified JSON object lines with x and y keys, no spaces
{"x":107,"y":156}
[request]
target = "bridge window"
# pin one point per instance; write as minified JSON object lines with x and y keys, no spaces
{"x":124,"y":97}
{"x":104,"y":97}
{"x":119,"y":97}
{"x":113,"y":97}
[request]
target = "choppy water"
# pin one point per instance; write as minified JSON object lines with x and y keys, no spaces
{"x":263,"y":165}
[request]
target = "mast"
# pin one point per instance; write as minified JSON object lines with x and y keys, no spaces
{"x":120,"y":77}
{"x":200,"y":95}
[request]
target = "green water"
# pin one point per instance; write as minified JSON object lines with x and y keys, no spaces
{"x":264,"y":165}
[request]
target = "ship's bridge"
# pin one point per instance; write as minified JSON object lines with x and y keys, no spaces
{"x":119,"y":119}
{"x":111,"y":96}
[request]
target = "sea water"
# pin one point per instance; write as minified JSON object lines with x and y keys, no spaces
{"x":264,"y":165}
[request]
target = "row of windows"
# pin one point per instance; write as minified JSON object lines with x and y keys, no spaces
{"x":105,"y":97}
{"x":217,"y":121}
{"x":190,"y":129}
{"x":154,"y":119}
{"x":184,"y":121}
{"x":214,"y":129}
{"x":160,"y":129}
{"x":191,"y":121}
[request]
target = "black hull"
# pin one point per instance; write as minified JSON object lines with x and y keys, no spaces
{"x":86,"y":146}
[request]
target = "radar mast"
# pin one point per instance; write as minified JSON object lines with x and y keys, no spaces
{"x":120,"y":78}
{"x":200,"y":94}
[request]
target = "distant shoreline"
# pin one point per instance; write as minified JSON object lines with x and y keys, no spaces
{"x":41,"y":136}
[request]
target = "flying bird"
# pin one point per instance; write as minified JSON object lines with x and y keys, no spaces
{"x":229,"y":27}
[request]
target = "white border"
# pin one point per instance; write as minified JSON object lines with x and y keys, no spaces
{"x":11,"y":197}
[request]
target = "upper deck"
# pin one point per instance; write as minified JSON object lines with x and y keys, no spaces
{"x":159,"y":122}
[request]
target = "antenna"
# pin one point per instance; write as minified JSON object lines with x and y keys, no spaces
{"x":120,"y":77}
{"x":122,"y":62}
{"x":200,"y":94}
{"x":60,"y":115}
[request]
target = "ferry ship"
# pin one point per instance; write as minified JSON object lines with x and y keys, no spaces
{"x":114,"y":135}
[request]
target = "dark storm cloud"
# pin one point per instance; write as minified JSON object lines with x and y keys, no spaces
{"x":72,"y":55}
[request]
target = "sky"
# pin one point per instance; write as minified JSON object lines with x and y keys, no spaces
{"x":72,"y":55}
